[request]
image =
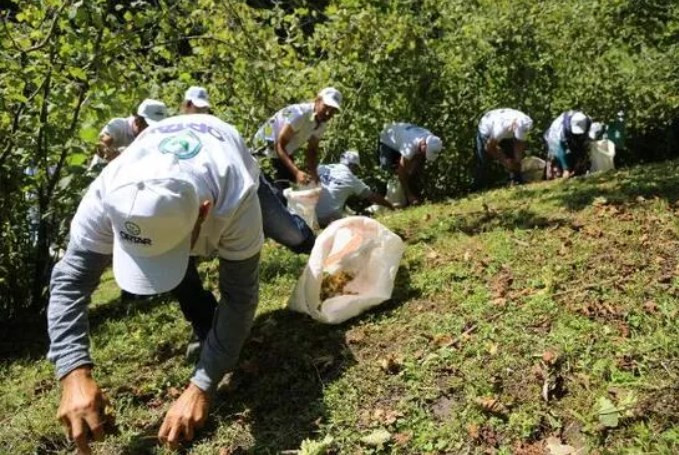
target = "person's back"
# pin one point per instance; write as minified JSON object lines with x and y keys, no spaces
{"x":338,"y":183}
{"x":205,"y":147}
{"x":505,"y":123}
{"x":404,"y":137}
{"x":301,"y":117}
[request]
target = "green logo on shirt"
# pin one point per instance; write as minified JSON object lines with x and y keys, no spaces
{"x":184,"y":146}
{"x":132,"y":228}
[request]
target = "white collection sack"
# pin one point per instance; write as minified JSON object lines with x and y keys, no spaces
{"x":303,"y":203}
{"x":533,"y":169}
{"x":601,"y":155}
{"x":395,"y":193}
{"x":359,"y":247}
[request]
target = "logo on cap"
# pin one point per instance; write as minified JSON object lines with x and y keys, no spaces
{"x":132,"y":228}
{"x":184,"y":146}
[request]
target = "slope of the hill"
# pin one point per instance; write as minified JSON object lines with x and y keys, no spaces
{"x":527,"y":320}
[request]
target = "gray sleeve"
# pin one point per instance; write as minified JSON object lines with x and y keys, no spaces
{"x":74,"y":278}
{"x":239,"y":286}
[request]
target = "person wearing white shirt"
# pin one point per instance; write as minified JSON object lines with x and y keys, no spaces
{"x":338,"y":183}
{"x":502,"y":137}
{"x":290,"y":129}
{"x":403,"y":148}
{"x":120,"y":132}
{"x":196,"y":101}
{"x":186,"y":187}
{"x":567,"y":141}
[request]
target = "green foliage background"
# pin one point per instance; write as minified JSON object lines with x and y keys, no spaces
{"x":68,"y":66}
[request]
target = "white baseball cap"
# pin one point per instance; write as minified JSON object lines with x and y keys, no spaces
{"x":197,"y":96}
{"x":152,"y":110}
{"x":331,"y":97}
{"x":153,"y":209}
{"x":595,"y":130}
{"x":350,"y":157}
{"x":578,"y":123}
{"x":434,"y":146}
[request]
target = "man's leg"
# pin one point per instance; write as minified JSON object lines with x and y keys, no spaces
{"x":197,"y":303}
{"x":239,"y":286}
{"x":279,"y":224}
{"x":481,"y":163}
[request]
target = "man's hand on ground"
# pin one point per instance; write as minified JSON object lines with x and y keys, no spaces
{"x":186,"y":415}
{"x":82,"y":408}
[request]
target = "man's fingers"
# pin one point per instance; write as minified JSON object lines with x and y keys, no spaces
{"x":96,"y":424}
{"x":188,"y":431}
{"x":164,"y":429}
{"x":80,"y":436}
{"x":173,"y":437}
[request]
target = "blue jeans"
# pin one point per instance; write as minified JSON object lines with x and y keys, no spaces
{"x":279,"y":224}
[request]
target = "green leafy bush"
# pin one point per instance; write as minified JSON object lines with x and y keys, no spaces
{"x":67,"y":66}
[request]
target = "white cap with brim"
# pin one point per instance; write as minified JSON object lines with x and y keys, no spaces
{"x":198,"y":96}
{"x":434,"y":146}
{"x":152,"y":111}
{"x":331,"y":97}
{"x":578,"y":123}
{"x":350,"y":157}
{"x":153,"y":211}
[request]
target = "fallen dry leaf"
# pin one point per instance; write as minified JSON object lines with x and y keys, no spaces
{"x":549,"y":357}
{"x":474,"y":431}
{"x":443,"y":340}
{"x":391,"y":364}
{"x":491,"y":405}
{"x":354,"y":336}
{"x":402,"y":439}
{"x":650,"y":306}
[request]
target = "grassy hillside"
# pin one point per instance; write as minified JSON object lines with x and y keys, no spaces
{"x":523,"y":320}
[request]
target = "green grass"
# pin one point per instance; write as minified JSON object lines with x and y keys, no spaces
{"x":570,"y":284}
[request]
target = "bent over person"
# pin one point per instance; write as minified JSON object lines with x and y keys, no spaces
{"x":338,"y":183}
{"x":293,"y":127}
{"x":567,"y":144}
{"x":402,"y":149}
{"x":502,"y":137}
{"x":120,"y":132}
{"x":186,"y":187}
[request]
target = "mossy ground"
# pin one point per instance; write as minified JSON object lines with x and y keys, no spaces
{"x":564,"y":290}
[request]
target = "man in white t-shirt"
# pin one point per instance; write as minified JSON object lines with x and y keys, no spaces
{"x":293,"y":127}
{"x":196,"y":101}
{"x":121,"y":132}
{"x":338,"y":183}
{"x":502,"y":137}
{"x":186,"y":187}
{"x":567,"y":144}
{"x":403,"y":148}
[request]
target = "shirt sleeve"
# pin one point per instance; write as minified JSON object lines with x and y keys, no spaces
{"x":296,"y":119}
{"x":359,"y":188}
{"x":74,"y":278}
{"x":114,"y":128}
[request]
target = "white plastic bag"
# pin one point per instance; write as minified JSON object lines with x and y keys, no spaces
{"x":357,"y":247}
{"x":601,"y":155}
{"x":533,"y":169}
{"x":303,"y":203}
{"x":395,"y":193}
